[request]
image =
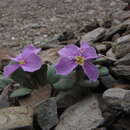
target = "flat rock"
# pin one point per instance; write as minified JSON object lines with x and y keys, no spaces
{"x":118,"y":98}
{"x":84,"y":115}
{"x":121,"y":71}
{"x":16,"y":117}
{"x":94,"y":35}
{"x":101,"y":48}
{"x":123,"y":61}
{"x":110,"y":53}
{"x":122,"y":46}
{"x":46,"y":112}
{"x":67,"y":98}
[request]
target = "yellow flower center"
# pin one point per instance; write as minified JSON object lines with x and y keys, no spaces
{"x":21,"y":62}
{"x":80,"y":60}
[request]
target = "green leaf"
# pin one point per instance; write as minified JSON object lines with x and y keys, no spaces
{"x":66,"y":82}
{"x":104,"y":71}
{"x":52,"y":77}
{"x":4,"y":81}
{"x":21,"y":92}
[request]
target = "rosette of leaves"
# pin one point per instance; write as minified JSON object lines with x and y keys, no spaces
{"x":60,"y":82}
{"x":31,"y":80}
{"x":4,"y":82}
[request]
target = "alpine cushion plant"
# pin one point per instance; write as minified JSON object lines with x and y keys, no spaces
{"x":28,"y":60}
{"x":72,"y":56}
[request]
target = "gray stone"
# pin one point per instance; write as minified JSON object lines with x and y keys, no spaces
{"x":114,"y":97}
{"x":121,"y":71}
{"x":111,"y":54}
{"x":118,"y":98}
{"x":94,"y":35}
{"x":124,"y":61}
{"x":101,"y":48}
{"x":46,"y":112}
{"x":121,"y":15}
{"x":113,"y":30}
{"x":122,"y":46}
{"x":85,"y":115}
{"x":16,"y":117}
{"x":67,"y":98}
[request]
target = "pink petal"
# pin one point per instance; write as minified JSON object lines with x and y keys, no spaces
{"x":91,"y":71}
{"x":29,"y":49}
{"x":9,"y":69}
{"x":90,"y":53}
{"x":17,"y":58}
{"x":84,"y":45}
{"x":69,"y":51}
{"x":65,"y":66}
{"x":32,"y":63}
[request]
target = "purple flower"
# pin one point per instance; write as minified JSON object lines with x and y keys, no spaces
{"x":28,"y":60}
{"x":72,"y":56}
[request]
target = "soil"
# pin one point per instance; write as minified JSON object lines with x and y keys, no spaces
{"x":28,"y":21}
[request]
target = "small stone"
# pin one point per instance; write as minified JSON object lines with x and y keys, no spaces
{"x":113,"y":30}
{"x":50,"y":55}
{"x":118,"y":98}
{"x":67,"y":98}
{"x":121,"y":71}
{"x":94,"y":35}
{"x":124,"y":61}
{"x":84,"y":115}
{"x":115,"y":37}
{"x":16,"y":117}
{"x":122,"y":46}
{"x":46,"y":112}
{"x":109,"y":53}
{"x":101,"y":48}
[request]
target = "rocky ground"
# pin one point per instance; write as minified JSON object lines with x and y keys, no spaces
{"x":100,"y":105}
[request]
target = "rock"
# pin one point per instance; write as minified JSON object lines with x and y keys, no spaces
{"x":67,"y":98}
{"x":109,"y":53}
{"x":46,"y":112}
{"x":118,"y":98}
{"x":101,"y":48}
{"x":124,"y":61}
{"x":108,"y":81}
{"x":121,"y":15}
{"x":115,"y":37}
{"x":121,"y":85}
{"x":50,"y":55}
{"x":121,"y":71}
{"x":66,"y":36}
{"x":16,"y":117}
{"x":121,"y":46}
{"x":94,"y":35}
{"x":88,"y":83}
{"x":84,"y":115}
{"x":36,"y":96}
{"x":113,"y":30}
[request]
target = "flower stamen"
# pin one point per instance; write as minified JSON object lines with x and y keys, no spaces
{"x":80,"y":60}
{"x":21,"y":62}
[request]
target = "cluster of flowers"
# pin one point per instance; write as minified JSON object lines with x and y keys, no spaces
{"x":70,"y":57}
